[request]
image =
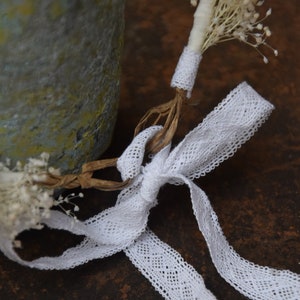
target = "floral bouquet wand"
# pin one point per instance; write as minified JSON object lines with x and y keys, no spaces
{"x":27,"y":191}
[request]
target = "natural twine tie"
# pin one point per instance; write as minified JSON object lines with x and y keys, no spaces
{"x":169,"y":111}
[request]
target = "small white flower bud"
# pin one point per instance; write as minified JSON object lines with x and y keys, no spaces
{"x":194,"y":3}
{"x":269,"y":12}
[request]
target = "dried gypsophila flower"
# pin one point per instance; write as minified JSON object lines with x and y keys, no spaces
{"x":218,"y":21}
{"x":23,"y":203}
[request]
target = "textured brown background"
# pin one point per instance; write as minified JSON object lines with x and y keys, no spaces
{"x":255,"y":193}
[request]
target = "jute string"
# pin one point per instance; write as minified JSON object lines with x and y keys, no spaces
{"x":170,"y":111}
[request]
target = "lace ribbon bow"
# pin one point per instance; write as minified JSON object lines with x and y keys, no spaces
{"x":124,"y":226}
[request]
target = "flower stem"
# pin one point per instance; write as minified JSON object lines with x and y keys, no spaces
{"x":202,"y":19}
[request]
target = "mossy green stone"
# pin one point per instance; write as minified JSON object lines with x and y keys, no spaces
{"x":59,"y":78}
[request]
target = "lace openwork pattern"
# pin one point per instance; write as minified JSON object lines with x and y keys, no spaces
{"x":186,"y":70}
{"x":123,"y":227}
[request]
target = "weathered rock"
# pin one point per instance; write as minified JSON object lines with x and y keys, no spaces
{"x":59,"y":79}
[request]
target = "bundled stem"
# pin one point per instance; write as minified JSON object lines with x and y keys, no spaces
{"x":217,"y":21}
{"x":171,"y":111}
{"x":202,"y":20}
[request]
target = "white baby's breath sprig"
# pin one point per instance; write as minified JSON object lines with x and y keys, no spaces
{"x":23,"y":203}
{"x":217,"y":21}
{"x":68,"y":200}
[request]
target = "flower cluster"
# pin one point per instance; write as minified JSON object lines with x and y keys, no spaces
{"x":23,"y":203}
{"x":237,"y":19}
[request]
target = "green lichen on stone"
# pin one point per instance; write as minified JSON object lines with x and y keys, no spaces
{"x":58,"y":8}
{"x":59,"y":84}
{"x":13,"y":17}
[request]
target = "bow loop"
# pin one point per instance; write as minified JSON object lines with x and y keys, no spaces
{"x":130,"y":162}
{"x":221,"y":133}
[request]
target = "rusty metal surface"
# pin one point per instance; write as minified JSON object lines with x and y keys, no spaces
{"x":255,"y":193}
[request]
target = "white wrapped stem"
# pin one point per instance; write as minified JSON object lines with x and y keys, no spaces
{"x":186,"y":70}
{"x":202,"y":19}
{"x":187,"y":67}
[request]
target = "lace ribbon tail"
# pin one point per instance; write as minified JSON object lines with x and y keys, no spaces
{"x":169,"y":274}
{"x":251,"y":280}
{"x":89,"y":249}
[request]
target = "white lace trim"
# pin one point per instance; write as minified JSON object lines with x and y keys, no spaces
{"x":124,"y":226}
{"x":169,"y":274}
{"x":186,"y":70}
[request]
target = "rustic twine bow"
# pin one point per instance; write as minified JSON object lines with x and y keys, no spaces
{"x":124,"y":226}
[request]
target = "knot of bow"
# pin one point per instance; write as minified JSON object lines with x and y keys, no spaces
{"x":123,"y":227}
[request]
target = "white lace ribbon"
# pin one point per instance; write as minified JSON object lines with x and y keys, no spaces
{"x":186,"y":70}
{"x":124,"y":226}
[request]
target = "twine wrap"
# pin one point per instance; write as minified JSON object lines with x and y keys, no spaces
{"x":124,"y":226}
{"x":85,"y":179}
